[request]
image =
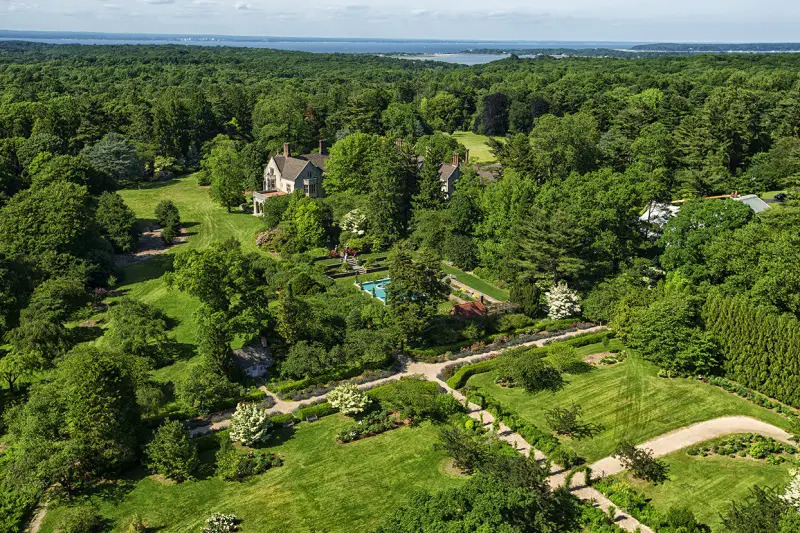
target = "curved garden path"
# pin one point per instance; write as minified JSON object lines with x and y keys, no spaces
{"x":695,"y":434}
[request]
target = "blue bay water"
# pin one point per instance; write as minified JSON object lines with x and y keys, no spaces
{"x":440,"y":50}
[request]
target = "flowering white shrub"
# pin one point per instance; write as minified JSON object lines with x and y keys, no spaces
{"x":250,"y":424}
{"x":562,"y":302}
{"x":792,"y":493}
{"x":348,"y":399}
{"x":355,"y":221}
{"x":220,"y":523}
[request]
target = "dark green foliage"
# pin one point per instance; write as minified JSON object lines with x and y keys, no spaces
{"x":274,"y":210}
{"x":171,"y":453}
{"x":755,"y":343}
{"x":569,"y":422}
{"x":234,"y":465}
{"x":169,"y":220}
{"x":415,"y":292}
{"x":666,"y":333}
{"x":763,"y":511}
{"x":205,"y":389}
{"x":416,"y":399}
{"x":117,"y":221}
{"x":641,"y":463}
{"x":687,"y":235}
{"x":529,"y":371}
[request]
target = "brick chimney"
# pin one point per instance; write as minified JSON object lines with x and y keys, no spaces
{"x":286,"y":150}
{"x":455,"y":160}
{"x":322,"y":146}
{"x":466,"y":157}
{"x":399,"y":142}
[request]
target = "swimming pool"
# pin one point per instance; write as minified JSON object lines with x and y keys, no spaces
{"x":376,"y":289}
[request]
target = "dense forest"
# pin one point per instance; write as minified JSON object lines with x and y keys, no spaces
{"x":583,"y":146}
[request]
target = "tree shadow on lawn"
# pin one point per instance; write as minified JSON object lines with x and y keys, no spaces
{"x":153,"y":268}
{"x":83,"y":334}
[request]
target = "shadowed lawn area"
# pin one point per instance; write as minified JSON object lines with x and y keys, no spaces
{"x":470,"y":280}
{"x":323,"y":486}
{"x":707,"y":485}
{"x":205,"y":222}
{"x":476,"y":144}
{"x":630,"y":400}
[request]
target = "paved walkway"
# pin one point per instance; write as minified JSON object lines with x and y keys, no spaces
{"x":428,"y":370}
{"x":431,"y":371}
{"x":695,"y":434}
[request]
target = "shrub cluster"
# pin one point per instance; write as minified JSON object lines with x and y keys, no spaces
{"x":641,"y":463}
{"x":312,"y":387}
{"x":416,"y":399}
{"x":371,"y":424}
{"x":634,"y":502}
{"x":747,"y":445}
{"x":233,"y":465}
{"x":221,"y":523}
{"x":498,"y":342}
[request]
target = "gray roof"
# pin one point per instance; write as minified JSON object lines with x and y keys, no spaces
{"x":252,"y":355}
{"x":446,"y":171}
{"x":291,"y":167}
{"x":753,"y":202}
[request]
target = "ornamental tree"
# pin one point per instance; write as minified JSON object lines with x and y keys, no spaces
{"x":250,"y":424}
{"x":171,"y":453}
{"x":562,"y":302}
{"x":348,"y":399}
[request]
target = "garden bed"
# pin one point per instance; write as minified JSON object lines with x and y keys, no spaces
{"x":288,"y":392}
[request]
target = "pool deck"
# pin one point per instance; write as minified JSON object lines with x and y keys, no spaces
{"x":375,"y":288}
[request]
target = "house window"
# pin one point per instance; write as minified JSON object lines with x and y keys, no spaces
{"x":313,"y":189}
{"x":306,"y":188}
{"x":271,"y":183}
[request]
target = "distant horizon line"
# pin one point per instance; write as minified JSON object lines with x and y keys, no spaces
{"x":287,"y":38}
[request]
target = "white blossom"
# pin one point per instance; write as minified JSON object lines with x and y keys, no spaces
{"x":348,"y":399}
{"x":250,"y":424}
{"x":562,"y":302}
{"x":792,"y":493}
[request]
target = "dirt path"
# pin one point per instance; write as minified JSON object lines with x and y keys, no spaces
{"x":695,"y":434}
{"x":150,"y":244}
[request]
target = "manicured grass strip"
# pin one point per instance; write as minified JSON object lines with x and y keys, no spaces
{"x":323,"y":486}
{"x":630,"y":400}
{"x":476,"y":283}
{"x":707,"y":485}
{"x":477,"y":145}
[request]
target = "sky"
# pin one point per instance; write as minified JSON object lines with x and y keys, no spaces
{"x":582,"y":20}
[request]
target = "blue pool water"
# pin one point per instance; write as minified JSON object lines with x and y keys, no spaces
{"x":376,"y":289}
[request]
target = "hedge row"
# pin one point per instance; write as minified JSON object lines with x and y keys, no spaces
{"x":540,"y":439}
{"x":761,"y":349}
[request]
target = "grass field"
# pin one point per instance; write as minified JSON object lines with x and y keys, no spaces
{"x":476,"y":144}
{"x":629,"y":399}
{"x":707,"y":485}
{"x":322,"y":486}
{"x":476,"y":283}
{"x":206,"y":222}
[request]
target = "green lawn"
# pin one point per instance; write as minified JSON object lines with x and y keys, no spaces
{"x":476,"y":283}
{"x":205,"y":222}
{"x":630,"y":400}
{"x":476,"y":144}
{"x":323,"y":486}
{"x":707,"y":485}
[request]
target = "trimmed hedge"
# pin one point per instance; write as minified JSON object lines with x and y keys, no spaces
{"x":761,"y":349}
{"x":462,"y":375}
{"x":540,"y":439}
{"x":320,"y":409}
